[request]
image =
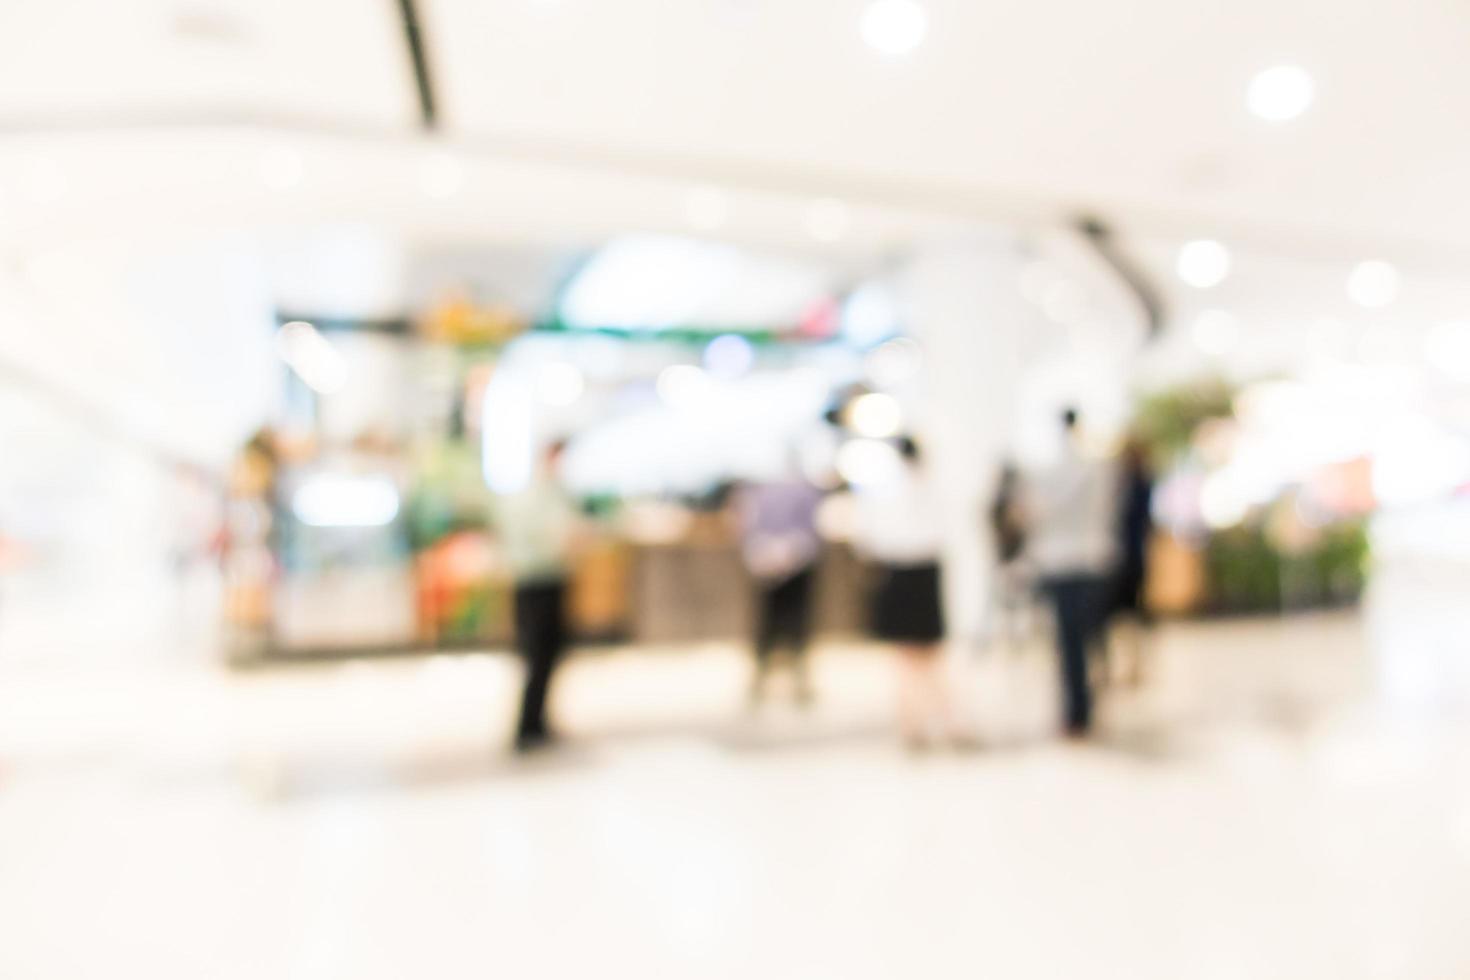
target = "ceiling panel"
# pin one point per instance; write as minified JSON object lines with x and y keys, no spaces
{"x":1135,"y":105}
{"x":71,"y":62}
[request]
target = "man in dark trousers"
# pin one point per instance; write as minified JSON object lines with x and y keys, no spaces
{"x":537,"y":527}
{"x":1070,"y":512}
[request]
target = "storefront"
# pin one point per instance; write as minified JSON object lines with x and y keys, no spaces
{"x":362,"y":519}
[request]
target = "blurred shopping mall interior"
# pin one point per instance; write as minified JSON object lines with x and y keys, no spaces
{"x":295,"y":295}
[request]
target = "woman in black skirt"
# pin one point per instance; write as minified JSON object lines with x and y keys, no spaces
{"x":898,"y":530}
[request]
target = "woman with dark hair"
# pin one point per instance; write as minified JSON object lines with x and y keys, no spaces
{"x":898,"y":530}
{"x":1135,"y":527}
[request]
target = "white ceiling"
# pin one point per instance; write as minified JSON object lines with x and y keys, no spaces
{"x":82,"y":63}
{"x":1131,"y":106}
{"x":148,"y":126}
{"x":1011,"y":108}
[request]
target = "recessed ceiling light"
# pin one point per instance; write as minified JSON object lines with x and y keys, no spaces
{"x":894,"y":28}
{"x":827,"y":219}
{"x":1203,"y":263}
{"x":875,"y":415}
{"x":1373,"y":284}
{"x":728,"y":356}
{"x":1281,"y":93}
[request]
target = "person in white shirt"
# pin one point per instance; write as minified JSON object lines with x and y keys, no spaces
{"x":1070,"y":509}
{"x":537,"y":530}
{"x":898,"y":529}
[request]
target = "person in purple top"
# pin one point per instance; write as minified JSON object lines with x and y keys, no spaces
{"x":780,"y":548}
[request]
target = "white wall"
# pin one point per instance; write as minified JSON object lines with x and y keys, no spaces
{"x":118,"y":356}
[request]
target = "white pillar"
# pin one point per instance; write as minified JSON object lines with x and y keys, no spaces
{"x":964,"y":306}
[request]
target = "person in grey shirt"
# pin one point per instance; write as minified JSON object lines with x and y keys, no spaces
{"x":1070,"y":508}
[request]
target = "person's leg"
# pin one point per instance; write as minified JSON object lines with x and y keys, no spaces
{"x":912,"y":717}
{"x":797,"y":627}
{"x":1140,"y":621}
{"x":524,"y":621}
{"x":767,"y":632}
{"x":935,"y":698}
{"x":539,"y":628}
{"x":1070,"y":599}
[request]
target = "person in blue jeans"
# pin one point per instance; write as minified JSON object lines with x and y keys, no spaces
{"x":1070,"y":510}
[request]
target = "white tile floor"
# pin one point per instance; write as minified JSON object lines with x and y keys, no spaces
{"x":1286,"y":799}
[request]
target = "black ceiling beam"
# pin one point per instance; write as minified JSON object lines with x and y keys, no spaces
{"x":1100,"y":236}
{"x":423,"y":77}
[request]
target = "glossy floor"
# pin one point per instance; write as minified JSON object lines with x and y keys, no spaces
{"x":1284,"y":798}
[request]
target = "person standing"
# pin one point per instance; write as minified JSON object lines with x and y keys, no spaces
{"x":537,"y":529}
{"x":898,"y":529}
{"x":1011,"y":591}
{"x":1070,"y":513}
{"x":1134,"y":529}
{"x":780,"y":548}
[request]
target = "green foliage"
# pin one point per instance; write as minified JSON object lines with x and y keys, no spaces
{"x":1245,"y":573}
{"x":1166,"y":420}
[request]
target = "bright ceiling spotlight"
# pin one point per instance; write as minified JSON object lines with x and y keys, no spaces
{"x":728,"y":356}
{"x":1203,"y":263}
{"x":1281,"y":93}
{"x":875,"y":415}
{"x":1373,"y":284}
{"x":868,"y":462}
{"x":894,"y":28}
